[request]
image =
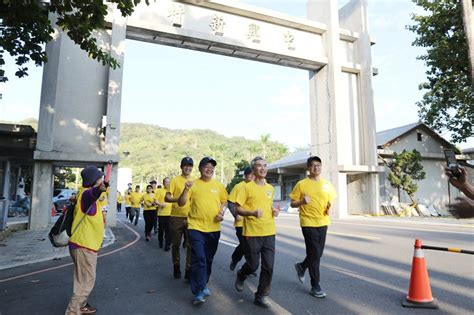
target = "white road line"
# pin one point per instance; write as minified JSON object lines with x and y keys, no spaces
{"x":228,"y":243}
{"x":404,"y":228}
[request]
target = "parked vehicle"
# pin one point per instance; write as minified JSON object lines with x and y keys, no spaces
{"x":61,"y":198}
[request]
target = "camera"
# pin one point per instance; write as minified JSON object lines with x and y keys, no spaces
{"x":451,"y":162}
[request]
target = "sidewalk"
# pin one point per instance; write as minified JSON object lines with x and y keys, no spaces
{"x":28,"y":246}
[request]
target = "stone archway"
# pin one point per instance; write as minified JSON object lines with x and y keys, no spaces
{"x":79,"y":121}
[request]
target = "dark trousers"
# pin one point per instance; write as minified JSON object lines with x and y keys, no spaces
{"x":178,"y":228}
{"x":203,"y":249}
{"x":155,"y":221}
{"x":239,"y":250}
{"x":164,"y":230}
{"x":134,"y":213}
{"x":256,"y":247}
{"x":119,"y":207}
{"x":148,"y":216}
{"x":315,"y":239}
{"x":127,"y":212}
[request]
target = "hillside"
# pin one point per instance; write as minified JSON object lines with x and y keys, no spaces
{"x":155,"y":152}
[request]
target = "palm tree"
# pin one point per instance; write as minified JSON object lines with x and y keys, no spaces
{"x":264,"y":139}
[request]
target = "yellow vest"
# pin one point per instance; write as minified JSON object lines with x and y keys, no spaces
{"x":90,"y":232}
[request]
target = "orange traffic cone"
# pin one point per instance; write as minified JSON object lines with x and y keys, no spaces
{"x":419,"y":293}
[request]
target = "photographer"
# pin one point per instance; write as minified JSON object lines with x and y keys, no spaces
{"x":464,"y":207}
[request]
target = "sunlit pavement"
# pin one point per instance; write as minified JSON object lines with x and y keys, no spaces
{"x":365,"y":270}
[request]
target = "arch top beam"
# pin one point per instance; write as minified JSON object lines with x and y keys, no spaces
{"x":235,"y":30}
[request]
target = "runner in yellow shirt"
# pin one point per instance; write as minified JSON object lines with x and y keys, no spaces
{"x":119,"y":201}
{"x":153,"y":183}
{"x":313,"y":195}
{"x":207,"y":198}
{"x":135,"y":200}
{"x":255,"y":203}
{"x":149,"y":210}
{"x":238,"y":220}
{"x":178,"y":219}
{"x":164,"y":212}
{"x":128,"y":205}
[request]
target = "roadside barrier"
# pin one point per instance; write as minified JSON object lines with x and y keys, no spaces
{"x":449,"y":249}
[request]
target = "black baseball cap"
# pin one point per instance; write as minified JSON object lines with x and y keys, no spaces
{"x":153,"y":182}
{"x":247,"y":170}
{"x":313,"y":158}
{"x":187,"y":161}
{"x":206,"y":160}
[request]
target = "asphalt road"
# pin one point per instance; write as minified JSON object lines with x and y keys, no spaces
{"x":365,"y":270}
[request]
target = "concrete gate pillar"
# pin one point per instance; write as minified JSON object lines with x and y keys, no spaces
{"x":341,"y":104}
{"x":79,"y":120}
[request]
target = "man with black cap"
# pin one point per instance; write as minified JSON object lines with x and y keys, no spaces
{"x":86,"y":239}
{"x":178,"y":220}
{"x":313,"y":195}
{"x":207,"y":198}
{"x":238,"y":220}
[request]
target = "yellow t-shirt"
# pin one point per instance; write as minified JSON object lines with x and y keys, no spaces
{"x":320,"y":193}
{"x":135,"y":198}
{"x":205,"y":199}
{"x":119,"y":197}
{"x":253,"y":197}
{"x":148,"y":200}
{"x":103,"y":201}
{"x":176,"y":189}
{"x":160,"y":196}
{"x":232,"y":195}
{"x":127,"y":199}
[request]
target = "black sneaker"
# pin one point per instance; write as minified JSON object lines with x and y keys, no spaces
{"x":239,"y":283}
{"x":167,"y":248}
{"x":176,"y":272}
{"x":317,"y":291}
{"x":232,"y":265}
{"x":299,"y":272}
{"x":161,"y":245}
{"x":262,"y":301}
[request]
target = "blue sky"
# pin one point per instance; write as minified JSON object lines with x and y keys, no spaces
{"x":183,"y":89}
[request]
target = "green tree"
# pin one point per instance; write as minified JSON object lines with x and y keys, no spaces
{"x":25,"y":28}
{"x":264,"y":139}
{"x":448,"y":103}
{"x":238,"y":177}
{"x":63,"y":177}
{"x":405,"y":169}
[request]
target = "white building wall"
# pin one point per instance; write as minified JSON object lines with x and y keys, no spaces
{"x":409,"y":142}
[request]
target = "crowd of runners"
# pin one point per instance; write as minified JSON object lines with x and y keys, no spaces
{"x":192,"y":209}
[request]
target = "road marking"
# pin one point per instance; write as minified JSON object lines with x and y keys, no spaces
{"x":365,"y":237}
{"x":228,"y":243}
{"x":69,"y":264}
{"x":403,"y":228}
